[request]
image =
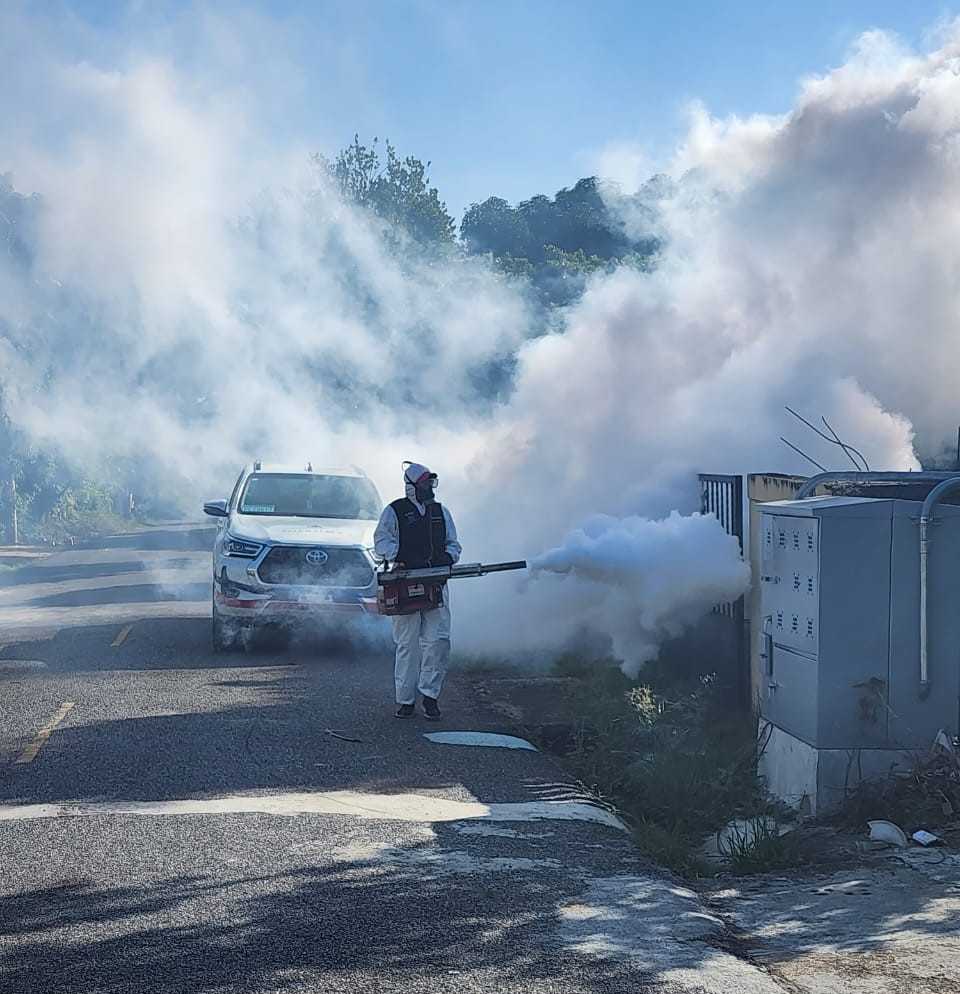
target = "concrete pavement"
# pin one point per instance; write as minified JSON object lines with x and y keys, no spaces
{"x":193,"y":823}
{"x":889,"y":923}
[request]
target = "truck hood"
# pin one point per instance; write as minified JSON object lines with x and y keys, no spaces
{"x":302,"y":531}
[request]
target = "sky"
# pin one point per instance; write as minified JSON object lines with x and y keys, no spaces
{"x":506,"y":99}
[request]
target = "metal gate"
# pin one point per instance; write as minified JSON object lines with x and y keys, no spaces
{"x":723,"y":496}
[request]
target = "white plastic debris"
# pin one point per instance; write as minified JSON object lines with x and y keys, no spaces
{"x":886,"y":831}
{"x":479,"y":739}
{"x":925,"y":838}
{"x":944,"y":742}
{"x":742,"y":834}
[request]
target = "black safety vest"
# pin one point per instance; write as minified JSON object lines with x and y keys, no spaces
{"x":423,"y":537}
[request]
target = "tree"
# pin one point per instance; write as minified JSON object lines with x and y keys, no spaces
{"x":17,"y":214}
{"x":556,"y":243}
{"x":398,"y":190}
{"x":496,"y":228}
{"x":575,"y":220}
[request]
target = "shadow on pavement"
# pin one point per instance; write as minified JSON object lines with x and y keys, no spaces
{"x":258,"y":748}
{"x":347,"y":926}
{"x":302,"y":732}
{"x":127,"y":593}
{"x":185,"y":644}
{"x":187,"y":538}
{"x":390,"y":923}
{"x":67,"y":572}
{"x":278,"y":729}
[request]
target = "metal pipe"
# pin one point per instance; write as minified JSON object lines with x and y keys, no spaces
{"x":924,"y":664}
{"x":855,"y":477}
{"x":926,"y":511}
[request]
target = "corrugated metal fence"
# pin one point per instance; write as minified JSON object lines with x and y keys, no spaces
{"x":723,"y":497}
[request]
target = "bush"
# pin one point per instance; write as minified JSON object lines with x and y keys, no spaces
{"x":70,"y":511}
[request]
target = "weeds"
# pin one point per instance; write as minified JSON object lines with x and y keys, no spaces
{"x":677,"y":764}
{"x":756,"y":845}
{"x":670,"y":848}
{"x":924,"y":795}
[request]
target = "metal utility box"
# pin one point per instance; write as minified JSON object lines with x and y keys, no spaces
{"x":839,"y":632}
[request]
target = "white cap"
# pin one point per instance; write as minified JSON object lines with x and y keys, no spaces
{"x":415,"y":471}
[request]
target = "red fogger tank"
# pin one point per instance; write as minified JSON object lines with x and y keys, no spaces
{"x":406,"y":591}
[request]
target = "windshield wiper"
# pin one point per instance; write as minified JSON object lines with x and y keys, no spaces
{"x":304,"y":514}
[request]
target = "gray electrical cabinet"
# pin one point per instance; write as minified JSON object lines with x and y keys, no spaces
{"x":840,"y":628}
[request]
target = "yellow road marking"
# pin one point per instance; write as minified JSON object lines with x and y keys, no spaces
{"x":119,"y":639}
{"x":29,"y":754}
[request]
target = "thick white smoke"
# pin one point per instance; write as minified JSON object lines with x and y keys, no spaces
{"x":646,"y":581}
{"x":199,"y":298}
{"x":807,"y":260}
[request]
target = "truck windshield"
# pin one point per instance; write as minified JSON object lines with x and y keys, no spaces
{"x":310,"y":496}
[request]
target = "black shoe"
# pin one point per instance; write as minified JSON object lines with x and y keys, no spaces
{"x":430,"y":707}
{"x":405,"y":711}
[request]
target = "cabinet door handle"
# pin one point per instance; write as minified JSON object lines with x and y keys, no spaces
{"x":766,"y":651}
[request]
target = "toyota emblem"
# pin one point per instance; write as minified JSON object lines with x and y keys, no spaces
{"x":317,"y":557}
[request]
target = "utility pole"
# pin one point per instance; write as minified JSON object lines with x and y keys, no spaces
{"x":13,"y":501}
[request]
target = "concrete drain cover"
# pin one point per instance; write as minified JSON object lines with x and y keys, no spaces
{"x":479,"y":739}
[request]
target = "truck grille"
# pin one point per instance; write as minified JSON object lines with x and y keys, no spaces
{"x":290,"y":565}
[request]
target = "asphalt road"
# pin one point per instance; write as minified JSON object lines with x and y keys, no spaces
{"x":176,"y":820}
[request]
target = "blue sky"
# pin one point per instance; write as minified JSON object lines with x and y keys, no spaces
{"x":505,"y":98}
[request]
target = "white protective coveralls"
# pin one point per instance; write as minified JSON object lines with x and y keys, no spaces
{"x":422,"y":639}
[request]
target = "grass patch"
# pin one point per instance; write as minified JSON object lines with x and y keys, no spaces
{"x":673,"y":758}
{"x":758,"y":845}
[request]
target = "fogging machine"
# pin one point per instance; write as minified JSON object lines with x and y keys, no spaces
{"x":406,"y":591}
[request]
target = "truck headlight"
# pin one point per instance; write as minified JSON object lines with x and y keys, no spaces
{"x":243,"y":550}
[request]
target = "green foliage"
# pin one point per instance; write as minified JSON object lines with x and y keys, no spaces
{"x":575,"y":220}
{"x":578,"y":263}
{"x":58,"y":512}
{"x":666,"y":847}
{"x":397,"y":191}
{"x":72,"y":504}
{"x":676,"y":764}
{"x":758,"y":845}
{"x":555,"y":244}
{"x":49,"y":502}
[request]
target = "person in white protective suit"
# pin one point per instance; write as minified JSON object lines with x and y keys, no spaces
{"x":415,"y":532}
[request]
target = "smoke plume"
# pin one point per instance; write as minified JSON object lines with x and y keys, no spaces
{"x":646,"y":581}
{"x":197,"y":297}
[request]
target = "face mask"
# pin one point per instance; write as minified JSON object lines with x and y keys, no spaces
{"x":424,"y":492}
